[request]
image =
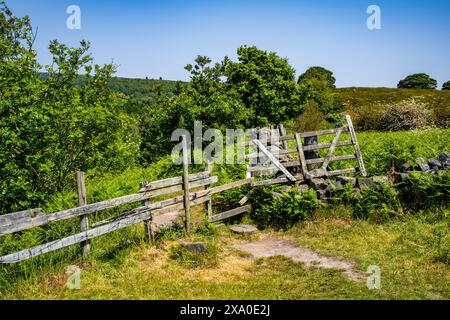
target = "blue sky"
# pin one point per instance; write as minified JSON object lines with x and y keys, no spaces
{"x":158,"y":38}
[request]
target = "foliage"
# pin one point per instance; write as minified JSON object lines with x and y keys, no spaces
{"x":368,"y":105}
{"x":418,"y":81}
{"x":378,"y":203}
{"x":426,"y":191}
{"x":446,"y":86}
{"x":407,"y":115}
{"x":266,"y":85}
{"x":311,"y":119}
{"x":318,"y":73}
{"x":259,"y":89}
{"x":51,"y":128}
{"x":317,"y":83}
{"x":281,"y":212}
{"x":383,"y":151}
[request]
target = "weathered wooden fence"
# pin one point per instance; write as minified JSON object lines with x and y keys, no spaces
{"x":196,"y":189}
{"x":145,"y":212}
{"x":288,"y":160}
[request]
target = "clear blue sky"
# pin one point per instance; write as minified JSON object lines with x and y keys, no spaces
{"x":158,"y":38}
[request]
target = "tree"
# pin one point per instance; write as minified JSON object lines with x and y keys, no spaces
{"x":266,"y":85}
{"x":320,"y":74}
{"x":54,"y":126}
{"x":418,"y":81}
{"x":318,"y":84}
{"x":446,"y":86}
{"x":204,"y":99}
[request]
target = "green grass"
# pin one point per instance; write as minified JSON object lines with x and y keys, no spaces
{"x":402,"y":249}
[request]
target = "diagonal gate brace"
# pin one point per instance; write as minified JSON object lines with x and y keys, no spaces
{"x":275,"y":161}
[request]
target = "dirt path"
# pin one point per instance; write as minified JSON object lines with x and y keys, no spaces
{"x":278,"y":247}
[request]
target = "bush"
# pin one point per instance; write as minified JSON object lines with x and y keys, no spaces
{"x":406,"y":115}
{"x":311,"y":119}
{"x":281,"y":212}
{"x":378,"y":203}
{"x":425,"y":191}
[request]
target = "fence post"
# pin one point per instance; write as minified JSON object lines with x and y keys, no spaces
{"x":149,"y":234}
{"x":208,"y":204}
{"x":187,"y":204}
{"x":282,"y":131}
{"x":81,"y":188}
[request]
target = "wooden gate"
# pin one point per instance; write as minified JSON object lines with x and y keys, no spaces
{"x":296,"y":167}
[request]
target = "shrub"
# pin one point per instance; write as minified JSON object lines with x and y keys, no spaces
{"x":425,"y":191}
{"x":407,"y":115}
{"x":311,"y":119}
{"x":282,"y":212}
{"x":378,"y":203}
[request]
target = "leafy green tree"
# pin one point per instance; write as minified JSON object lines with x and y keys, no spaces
{"x":318,"y":73}
{"x":446,"y":86}
{"x":318,"y":84}
{"x":418,"y":81}
{"x":50,"y":127}
{"x":266,"y":85}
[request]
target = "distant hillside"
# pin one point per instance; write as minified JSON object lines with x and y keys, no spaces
{"x":139,"y":88}
{"x":144,"y":88}
{"x":366,"y":105}
{"x":360,"y":97}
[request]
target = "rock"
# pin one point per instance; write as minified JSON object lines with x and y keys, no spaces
{"x":197,"y":247}
{"x":404,"y":167}
{"x":244,"y":229}
{"x":423,"y":166}
{"x":303,"y":187}
{"x":381,"y":179}
{"x":434,"y":164}
{"x":401,"y":177}
{"x":333,"y":187}
{"x":347,"y":180}
{"x":318,"y":183}
{"x":365,"y":182}
{"x":321,"y":194}
{"x":445,"y":159}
